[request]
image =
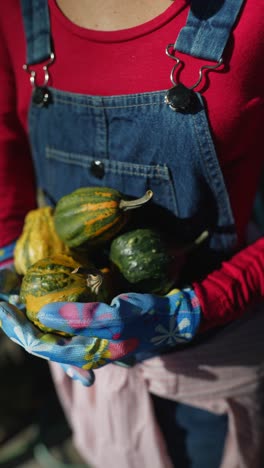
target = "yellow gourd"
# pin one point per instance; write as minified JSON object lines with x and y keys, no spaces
{"x":38,"y":239}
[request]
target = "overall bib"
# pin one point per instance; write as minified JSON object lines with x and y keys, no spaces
{"x":133,"y":143}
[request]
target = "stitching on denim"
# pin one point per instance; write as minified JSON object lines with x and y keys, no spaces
{"x":116,"y":167}
{"x":216,"y":183}
{"x":72,"y":95}
{"x":77,"y":104}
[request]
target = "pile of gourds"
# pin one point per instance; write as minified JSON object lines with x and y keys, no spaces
{"x":83,"y":250}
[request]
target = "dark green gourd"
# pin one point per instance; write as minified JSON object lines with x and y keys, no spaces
{"x":142,"y":261}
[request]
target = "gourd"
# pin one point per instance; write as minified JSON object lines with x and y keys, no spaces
{"x":38,"y":239}
{"x":142,"y":260}
{"x":93,"y":215}
{"x":59,"y":278}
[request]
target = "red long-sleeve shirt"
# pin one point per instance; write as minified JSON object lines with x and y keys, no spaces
{"x":131,"y":61}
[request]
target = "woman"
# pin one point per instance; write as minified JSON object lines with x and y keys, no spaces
{"x":111,"y":106}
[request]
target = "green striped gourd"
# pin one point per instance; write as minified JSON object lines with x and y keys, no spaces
{"x":93,"y":215}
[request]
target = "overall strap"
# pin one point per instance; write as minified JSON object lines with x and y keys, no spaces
{"x":37,"y":29}
{"x":208,"y":28}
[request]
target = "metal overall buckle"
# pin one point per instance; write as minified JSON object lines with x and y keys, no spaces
{"x":41,"y":94}
{"x":181,"y":98}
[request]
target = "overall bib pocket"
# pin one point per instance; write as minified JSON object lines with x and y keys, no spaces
{"x":81,"y":170}
{"x":134,"y":143}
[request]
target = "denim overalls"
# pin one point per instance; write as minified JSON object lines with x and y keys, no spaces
{"x":138,"y":142}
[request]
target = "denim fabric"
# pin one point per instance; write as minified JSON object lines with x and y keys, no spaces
{"x":139,"y":143}
{"x":195,"y":438}
{"x":208,"y":28}
{"x":37,"y":28}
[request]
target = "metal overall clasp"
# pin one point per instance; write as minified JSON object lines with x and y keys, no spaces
{"x":41,"y":94}
{"x":181,"y":98}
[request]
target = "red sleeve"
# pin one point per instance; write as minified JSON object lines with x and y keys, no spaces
{"x":227,"y":293}
{"x":17,"y":189}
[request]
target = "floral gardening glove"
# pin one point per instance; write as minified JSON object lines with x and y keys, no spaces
{"x":6,"y":255}
{"x":10,"y":283}
{"x":9,"y":279}
{"x":140,"y":325}
{"x":52,"y":347}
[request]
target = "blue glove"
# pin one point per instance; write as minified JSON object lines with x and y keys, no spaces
{"x":10,"y":283}
{"x":9,"y":279}
{"x":140,"y":325}
{"x":17,"y":327}
{"x":6,"y":254}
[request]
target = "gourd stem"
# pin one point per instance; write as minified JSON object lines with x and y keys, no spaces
{"x":94,"y":278}
{"x":131,"y":204}
{"x":201,"y":238}
{"x":190,"y":246}
{"x":94,"y":282}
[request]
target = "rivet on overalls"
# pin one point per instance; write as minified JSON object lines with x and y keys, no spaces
{"x":41,"y":95}
{"x":98,"y":169}
{"x":181,"y":98}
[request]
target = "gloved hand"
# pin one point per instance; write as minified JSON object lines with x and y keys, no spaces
{"x":139,"y":325}
{"x":10,"y":283}
{"x":19,"y":329}
{"x":6,"y":255}
{"x":9,"y":279}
